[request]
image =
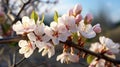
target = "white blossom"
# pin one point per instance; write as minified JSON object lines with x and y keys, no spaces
{"x":67,"y":57}
{"x":47,"y":48}
{"x":86,"y":30}
{"x":97,"y":63}
{"x":27,"y":48}
{"x":57,"y":32}
{"x":69,"y":22}
{"x":109,"y":44}
{"x":27,"y":25}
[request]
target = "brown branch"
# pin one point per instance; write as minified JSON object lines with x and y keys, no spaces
{"x":69,"y":43}
{"x":17,"y":17}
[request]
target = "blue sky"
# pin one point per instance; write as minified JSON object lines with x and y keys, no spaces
{"x":91,"y":6}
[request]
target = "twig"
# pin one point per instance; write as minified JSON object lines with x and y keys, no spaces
{"x":69,"y":43}
{"x":16,"y":19}
{"x":20,"y":61}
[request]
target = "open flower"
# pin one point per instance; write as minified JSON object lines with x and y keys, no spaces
{"x":69,"y":22}
{"x":64,"y":57}
{"x":97,"y":63}
{"x":27,"y":48}
{"x":57,"y":32}
{"x":47,"y":48}
{"x":96,"y":47}
{"x":67,"y":57}
{"x":27,"y":25}
{"x":109,"y":44}
{"x":86,"y":30}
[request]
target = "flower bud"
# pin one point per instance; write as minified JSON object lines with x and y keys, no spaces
{"x":70,"y":12}
{"x":78,"y":18}
{"x":88,"y":18}
{"x":97,"y":28}
{"x":77,"y":9}
{"x":2,"y":17}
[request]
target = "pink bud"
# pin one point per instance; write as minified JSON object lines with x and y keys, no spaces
{"x":89,"y":18}
{"x":70,"y":12}
{"x":97,"y":28}
{"x":78,"y":18}
{"x":77,"y":9}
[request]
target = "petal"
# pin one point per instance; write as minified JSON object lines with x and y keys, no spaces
{"x":45,"y":51}
{"x":63,"y":37}
{"x":45,"y":38}
{"x":22,"y":51}
{"x":22,"y":43}
{"x":51,"y":52}
{"x":25,"y":19}
{"x":31,"y":36}
{"x":53,"y":25}
{"x":28,"y":54}
{"x":48,"y":31}
{"x":102,"y":39}
{"x":55,"y":41}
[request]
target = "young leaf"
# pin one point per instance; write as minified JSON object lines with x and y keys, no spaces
{"x":56,"y":16}
{"x":75,"y":38}
{"x":90,"y":58}
{"x":34,"y":16}
{"x":42,"y":17}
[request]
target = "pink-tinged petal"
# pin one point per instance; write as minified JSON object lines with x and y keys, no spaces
{"x":22,"y":43}
{"x":28,"y":54}
{"x":53,"y":25}
{"x":63,"y":37}
{"x":70,"y":12}
{"x":78,"y":18}
{"x":45,"y":38}
{"x":31,"y":36}
{"x":102,"y":39}
{"x":39,"y":30}
{"x":77,"y":9}
{"x":55,"y":41}
{"x":97,"y":28}
{"x":48,"y":31}
{"x":89,"y":18}
{"x":74,"y":58}
{"x":62,"y":28}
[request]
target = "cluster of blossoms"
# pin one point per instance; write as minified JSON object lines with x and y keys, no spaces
{"x":71,"y":26}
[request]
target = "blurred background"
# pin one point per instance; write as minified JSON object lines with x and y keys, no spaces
{"x":105,"y":12}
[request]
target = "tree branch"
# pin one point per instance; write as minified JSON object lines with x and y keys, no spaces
{"x":69,"y":43}
{"x":17,"y":17}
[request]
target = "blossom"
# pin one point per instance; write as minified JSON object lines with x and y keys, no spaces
{"x":88,"y":18}
{"x":77,"y":9}
{"x":47,"y":48}
{"x":27,"y":25}
{"x":69,"y":22}
{"x":97,"y":63}
{"x":109,"y":44}
{"x":96,"y":47}
{"x":57,"y":32}
{"x":86,"y":30}
{"x":27,"y":48}
{"x":78,"y":18}
{"x":97,"y":28}
{"x":67,"y":57}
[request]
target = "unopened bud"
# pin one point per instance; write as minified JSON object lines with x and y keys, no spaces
{"x":88,"y":18}
{"x":77,"y":9}
{"x":70,"y":12}
{"x":78,"y":18}
{"x":97,"y":28}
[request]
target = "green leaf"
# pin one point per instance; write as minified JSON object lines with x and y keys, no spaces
{"x":43,"y":16}
{"x":75,"y":38}
{"x":90,"y":58}
{"x":34,"y":16}
{"x":56,"y":16}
